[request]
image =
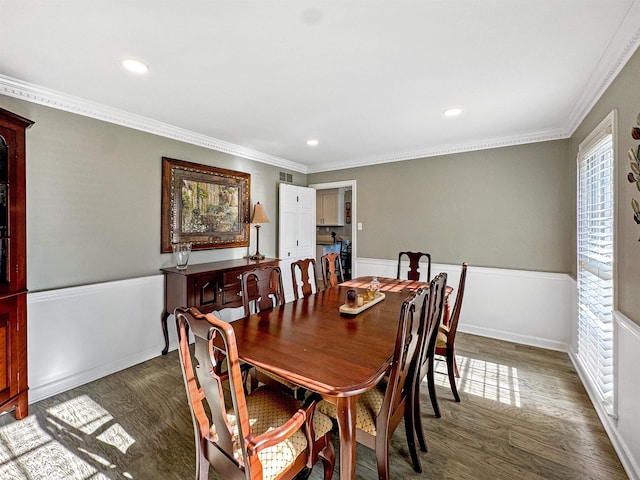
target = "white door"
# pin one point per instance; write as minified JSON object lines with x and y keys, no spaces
{"x":306,"y":222}
{"x":297,"y":237}
{"x":288,"y":227}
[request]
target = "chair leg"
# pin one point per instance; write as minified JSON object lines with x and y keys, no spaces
{"x":455,"y":364}
{"x":382,"y":456}
{"x":328,"y":457}
{"x":432,"y":389}
{"x":202,"y":467}
{"x":253,"y":380}
{"x":451,"y":367}
{"x":410,"y":429}
{"x":417,"y":423}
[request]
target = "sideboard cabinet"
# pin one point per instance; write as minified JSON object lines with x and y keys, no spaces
{"x":13,"y":265}
{"x":205,"y":286}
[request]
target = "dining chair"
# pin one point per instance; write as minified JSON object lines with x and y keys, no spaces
{"x":332,"y":273}
{"x":380,"y":410}
{"x":414,"y":265}
{"x":230,"y":315}
{"x":433,"y":318}
{"x":447,"y":334}
{"x":262,"y":289}
{"x":306,"y":282}
{"x":265,"y":435}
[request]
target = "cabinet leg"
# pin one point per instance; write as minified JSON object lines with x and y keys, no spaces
{"x":22,"y":407}
{"x":163,"y":321}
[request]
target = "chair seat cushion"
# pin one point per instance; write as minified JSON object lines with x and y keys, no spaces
{"x":269,"y":409}
{"x":367,"y":409}
{"x":443,"y":332}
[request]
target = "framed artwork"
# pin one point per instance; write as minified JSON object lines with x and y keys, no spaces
{"x":206,"y":206}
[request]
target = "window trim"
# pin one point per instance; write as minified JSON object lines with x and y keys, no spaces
{"x":609,"y":125}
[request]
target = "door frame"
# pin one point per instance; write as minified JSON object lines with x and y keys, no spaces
{"x":354,"y":216}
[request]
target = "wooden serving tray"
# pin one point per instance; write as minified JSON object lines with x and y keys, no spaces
{"x":356,"y":310}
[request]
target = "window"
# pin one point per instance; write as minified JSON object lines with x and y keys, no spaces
{"x":595,"y":250}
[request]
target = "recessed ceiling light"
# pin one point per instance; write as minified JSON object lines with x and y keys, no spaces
{"x":452,"y":112}
{"x":135,"y":66}
{"x":312,"y":142}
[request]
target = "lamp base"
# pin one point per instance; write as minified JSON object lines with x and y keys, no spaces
{"x":257,"y":256}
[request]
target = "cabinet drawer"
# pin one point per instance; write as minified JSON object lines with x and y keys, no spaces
{"x":231,"y":289}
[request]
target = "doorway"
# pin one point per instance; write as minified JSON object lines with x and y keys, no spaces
{"x":348,"y":185}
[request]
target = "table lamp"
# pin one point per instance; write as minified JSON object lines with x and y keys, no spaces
{"x":259,"y":216}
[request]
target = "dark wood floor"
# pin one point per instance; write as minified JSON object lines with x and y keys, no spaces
{"x":524,"y":415}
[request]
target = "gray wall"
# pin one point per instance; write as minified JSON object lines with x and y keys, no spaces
{"x":624,"y":96}
{"x":94,"y":193}
{"x":507,"y":208}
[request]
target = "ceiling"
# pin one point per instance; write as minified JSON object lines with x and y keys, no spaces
{"x":369,"y":80}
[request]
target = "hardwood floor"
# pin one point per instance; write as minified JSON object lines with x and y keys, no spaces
{"x":524,"y":415}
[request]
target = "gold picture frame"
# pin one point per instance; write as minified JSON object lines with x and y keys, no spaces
{"x":206,"y":206}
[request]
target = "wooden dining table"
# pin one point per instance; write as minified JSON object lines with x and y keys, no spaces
{"x":309,"y":342}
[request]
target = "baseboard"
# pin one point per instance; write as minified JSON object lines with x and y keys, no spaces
{"x":515,"y":338}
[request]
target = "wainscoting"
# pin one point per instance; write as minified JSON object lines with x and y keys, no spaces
{"x":627,"y":426}
{"x":532,"y":308}
{"x":80,"y":334}
{"x":623,"y":427}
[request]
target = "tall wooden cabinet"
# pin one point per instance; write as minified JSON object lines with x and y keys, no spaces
{"x":13,"y":265}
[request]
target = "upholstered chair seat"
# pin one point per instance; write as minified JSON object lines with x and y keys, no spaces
{"x":367,"y":409}
{"x":441,"y":341}
{"x":268,"y":409}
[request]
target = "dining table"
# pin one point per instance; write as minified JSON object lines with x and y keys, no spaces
{"x":310,"y":343}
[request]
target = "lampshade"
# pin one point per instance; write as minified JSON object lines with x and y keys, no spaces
{"x":259,"y":215}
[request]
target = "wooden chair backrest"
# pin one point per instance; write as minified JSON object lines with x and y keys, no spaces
{"x":262,"y":288}
{"x":414,"y":265}
{"x":401,"y":377}
{"x":433,"y":312}
{"x":219,"y":451}
{"x":455,"y":316}
{"x":308,"y":277}
{"x":332,"y":273}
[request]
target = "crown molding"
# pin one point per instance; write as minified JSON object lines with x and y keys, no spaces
{"x":440,"y":150}
{"x":615,"y":57}
{"x":35,"y":94}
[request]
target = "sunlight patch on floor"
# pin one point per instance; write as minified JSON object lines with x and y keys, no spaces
{"x":29,"y":449}
{"x":489,"y":380}
{"x":81,"y":413}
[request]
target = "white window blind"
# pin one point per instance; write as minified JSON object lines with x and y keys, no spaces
{"x":595,"y":260}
